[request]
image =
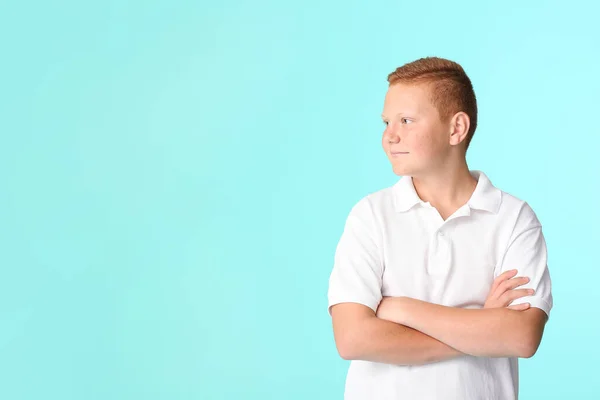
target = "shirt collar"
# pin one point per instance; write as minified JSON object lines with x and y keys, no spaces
{"x":485,"y":196}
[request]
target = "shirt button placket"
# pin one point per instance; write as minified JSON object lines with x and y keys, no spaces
{"x":441,"y":254}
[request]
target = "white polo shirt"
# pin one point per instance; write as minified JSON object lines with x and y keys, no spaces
{"x":395,"y":244}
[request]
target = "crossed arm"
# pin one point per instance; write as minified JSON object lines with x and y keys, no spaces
{"x":407,"y":331}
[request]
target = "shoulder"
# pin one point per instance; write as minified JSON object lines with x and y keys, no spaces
{"x":375,"y":206}
{"x":518,"y":212}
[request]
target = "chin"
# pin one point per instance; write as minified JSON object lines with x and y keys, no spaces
{"x":401,"y":171}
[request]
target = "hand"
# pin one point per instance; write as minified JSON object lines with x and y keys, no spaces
{"x":503,"y":291}
{"x":390,"y":309}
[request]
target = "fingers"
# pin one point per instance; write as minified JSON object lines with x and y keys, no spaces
{"x":504,"y":291}
{"x":511,"y":295}
{"x":513,"y":283}
{"x":508,"y":284}
{"x":520,"y":307}
{"x":501,"y":278}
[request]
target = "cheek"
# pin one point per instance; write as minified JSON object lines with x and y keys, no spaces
{"x":427,"y":145}
{"x":421,"y":144}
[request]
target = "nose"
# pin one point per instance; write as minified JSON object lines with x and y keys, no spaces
{"x":391,"y":134}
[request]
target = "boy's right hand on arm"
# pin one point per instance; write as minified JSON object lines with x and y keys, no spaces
{"x":504,"y":291}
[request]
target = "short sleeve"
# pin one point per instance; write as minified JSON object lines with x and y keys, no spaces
{"x":357,"y":268}
{"x":527,"y":253}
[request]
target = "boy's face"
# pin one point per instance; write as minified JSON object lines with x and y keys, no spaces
{"x":415,"y":140}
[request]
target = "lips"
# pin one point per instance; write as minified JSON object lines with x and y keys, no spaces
{"x":399,"y":152}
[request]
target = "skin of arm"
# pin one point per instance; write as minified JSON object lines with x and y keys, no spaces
{"x":493,"y":332}
{"x":361,"y":335}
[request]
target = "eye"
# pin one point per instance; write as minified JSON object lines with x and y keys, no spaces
{"x":385,"y":123}
{"x":405,"y":119}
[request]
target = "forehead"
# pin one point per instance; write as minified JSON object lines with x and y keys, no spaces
{"x":407,"y":97}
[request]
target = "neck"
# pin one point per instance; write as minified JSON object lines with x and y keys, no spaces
{"x":448,"y":188}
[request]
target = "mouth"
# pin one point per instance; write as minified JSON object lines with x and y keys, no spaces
{"x":399,"y":153}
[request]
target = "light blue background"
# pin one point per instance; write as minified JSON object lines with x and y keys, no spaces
{"x":175,"y":177}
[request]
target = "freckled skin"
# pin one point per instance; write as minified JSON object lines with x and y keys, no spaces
{"x":414,"y":126}
{"x":436,"y":149}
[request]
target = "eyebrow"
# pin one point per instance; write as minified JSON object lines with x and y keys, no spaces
{"x":401,"y":112}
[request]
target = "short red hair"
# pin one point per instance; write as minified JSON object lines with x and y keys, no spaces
{"x":451,"y":88}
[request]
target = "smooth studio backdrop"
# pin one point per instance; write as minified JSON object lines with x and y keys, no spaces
{"x":175,"y":176}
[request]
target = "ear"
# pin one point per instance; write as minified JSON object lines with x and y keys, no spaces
{"x":459,"y":127}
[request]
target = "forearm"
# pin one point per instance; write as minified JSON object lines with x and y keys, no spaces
{"x":387,"y":342}
{"x":494,"y":332}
